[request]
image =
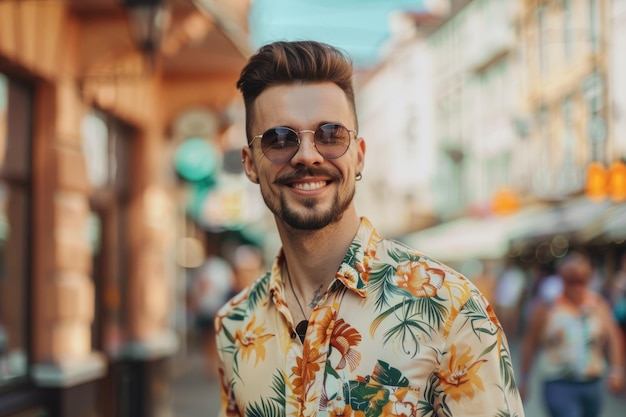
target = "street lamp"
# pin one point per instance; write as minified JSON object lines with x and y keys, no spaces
{"x":148,"y":20}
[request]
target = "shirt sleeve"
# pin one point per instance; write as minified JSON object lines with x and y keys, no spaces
{"x":228,"y":407}
{"x":475,"y":376}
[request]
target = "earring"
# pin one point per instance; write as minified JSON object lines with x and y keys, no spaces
{"x":359,"y":176}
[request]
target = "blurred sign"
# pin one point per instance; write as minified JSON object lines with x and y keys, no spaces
{"x":196,"y":160}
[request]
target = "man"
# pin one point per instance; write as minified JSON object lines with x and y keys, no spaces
{"x":345,"y":322}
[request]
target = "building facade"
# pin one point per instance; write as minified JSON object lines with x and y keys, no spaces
{"x":88,"y":205}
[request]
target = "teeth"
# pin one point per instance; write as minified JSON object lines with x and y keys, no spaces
{"x":308,"y":186}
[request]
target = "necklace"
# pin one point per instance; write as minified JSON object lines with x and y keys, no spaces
{"x":302,"y":326}
{"x":293,"y":291}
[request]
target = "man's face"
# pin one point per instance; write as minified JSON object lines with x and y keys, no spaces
{"x":309,"y":191}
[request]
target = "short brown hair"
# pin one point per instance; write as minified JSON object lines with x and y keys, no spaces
{"x":291,"y":63}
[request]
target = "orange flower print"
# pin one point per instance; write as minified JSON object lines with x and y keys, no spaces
{"x":347,"y":275}
{"x":462,"y":376}
{"x":492,"y":314}
{"x":419,"y":279}
{"x":403,"y":402}
{"x":305,"y":368}
{"x":365,"y":268}
{"x":323,"y":318}
{"x":347,"y":411}
{"x":252,"y":339}
{"x":345,"y":338}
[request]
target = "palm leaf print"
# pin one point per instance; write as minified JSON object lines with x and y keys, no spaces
{"x":431,"y":393}
{"x":476,"y":313}
{"x":278,"y":386}
{"x":258,"y":293}
{"x":381,"y":284}
{"x":401,"y":254}
{"x":352,"y":254}
{"x":506,"y":367}
{"x":274,"y":406}
{"x":408,"y":329}
{"x":265,"y":408}
{"x":506,"y":413}
{"x":430,"y":311}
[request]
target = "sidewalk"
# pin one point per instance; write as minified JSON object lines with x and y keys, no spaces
{"x":195,"y":393}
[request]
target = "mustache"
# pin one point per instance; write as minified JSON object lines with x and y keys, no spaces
{"x":306,"y":172}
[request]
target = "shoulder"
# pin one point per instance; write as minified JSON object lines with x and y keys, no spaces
{"x":420,"y":275}
{"x":245,"y":302}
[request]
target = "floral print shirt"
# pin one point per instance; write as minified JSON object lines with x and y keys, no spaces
{"x":395,"y":334}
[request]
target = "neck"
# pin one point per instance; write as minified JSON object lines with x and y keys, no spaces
{"x":314,"y":256}
{"x":575,"y":297}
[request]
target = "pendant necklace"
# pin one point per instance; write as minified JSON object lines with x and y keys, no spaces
{"x":302,"y":326}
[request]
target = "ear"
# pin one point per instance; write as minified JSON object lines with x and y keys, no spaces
{"x":360,"y":142}
{"x":248,"y":165}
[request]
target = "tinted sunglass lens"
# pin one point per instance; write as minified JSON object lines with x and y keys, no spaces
{"x":332,"y":140}
{"x":279,"y":144}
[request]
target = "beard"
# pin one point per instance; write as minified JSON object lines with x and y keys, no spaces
{"x":311,"y":217}
{"x":314,"y":218}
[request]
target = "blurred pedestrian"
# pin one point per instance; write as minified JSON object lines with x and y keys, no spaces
{"x":212,"y":285}
{"x":550,"y":287}
{"x":509,"y":295}
{"x":617,"y":296}
{"x":248,"y":264}
{"x":346,"y":322}
{"x":572,"y":337}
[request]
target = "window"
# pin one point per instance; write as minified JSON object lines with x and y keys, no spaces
{"x":568,"y":29}
{"x":106,"y":146}
{"x":594,"y":26}
{"x":15,"y":202}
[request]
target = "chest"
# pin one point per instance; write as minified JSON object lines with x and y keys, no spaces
{"x":353,"y":353}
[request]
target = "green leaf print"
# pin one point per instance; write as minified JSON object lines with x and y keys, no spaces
{"x":402,"y":254}
{"x":258,"y":292}
{"x":274,"y":406}
{"x":265,"y":408}
{"x":386,"y":374}
{"x":382,"y":286}
{"x":352,"y":255}
{"x":368,"y":398}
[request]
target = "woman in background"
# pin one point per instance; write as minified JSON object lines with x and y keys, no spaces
{"x":571,"y":336}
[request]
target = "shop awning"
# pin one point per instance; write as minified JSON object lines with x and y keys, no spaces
{"x":470,"y":238}
{"x":573,"y":219}
{"x":610,"y":227}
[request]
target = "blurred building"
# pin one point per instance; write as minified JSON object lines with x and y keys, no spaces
{"x":519,"y":107}
{"x":394,"y":102}
{"x":97,"y":99}
{"x":568,"y":127}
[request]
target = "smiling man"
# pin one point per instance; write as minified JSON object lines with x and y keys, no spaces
{"x":346,"y":322}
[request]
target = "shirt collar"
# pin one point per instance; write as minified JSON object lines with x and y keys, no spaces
{"x":355,"y":268}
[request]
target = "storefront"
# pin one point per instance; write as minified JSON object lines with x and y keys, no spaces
{"x":88,"y":212}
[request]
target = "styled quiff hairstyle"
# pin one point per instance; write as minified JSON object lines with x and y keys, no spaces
{"x":297,"y":62}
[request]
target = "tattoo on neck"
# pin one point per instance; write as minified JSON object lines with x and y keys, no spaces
{"x":317,"y":296}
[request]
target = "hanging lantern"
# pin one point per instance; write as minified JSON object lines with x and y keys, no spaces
{"x":617,"y":182}
{"x":596,"y":181}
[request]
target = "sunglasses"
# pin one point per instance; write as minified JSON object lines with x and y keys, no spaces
{"x":280,"y":144}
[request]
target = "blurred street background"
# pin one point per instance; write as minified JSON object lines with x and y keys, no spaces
{"x":496,"y":143}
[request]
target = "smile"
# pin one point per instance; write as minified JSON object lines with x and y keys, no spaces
{"x":309,"y":186}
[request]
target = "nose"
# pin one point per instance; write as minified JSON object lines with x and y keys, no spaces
{"x":307,"y":153}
